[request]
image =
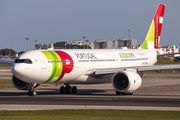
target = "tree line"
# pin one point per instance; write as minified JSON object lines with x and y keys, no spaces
{"x":10,"y":52}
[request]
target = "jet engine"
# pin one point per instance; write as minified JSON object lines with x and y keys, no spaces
{"x":19,"y":84}
{"x":126,"y":81}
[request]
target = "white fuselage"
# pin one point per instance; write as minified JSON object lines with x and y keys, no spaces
{"x":72,"y":66}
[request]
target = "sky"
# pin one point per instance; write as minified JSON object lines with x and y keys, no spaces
{"x":50,"y":21}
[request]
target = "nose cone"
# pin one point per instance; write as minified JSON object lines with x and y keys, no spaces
{"x":19,"y":71}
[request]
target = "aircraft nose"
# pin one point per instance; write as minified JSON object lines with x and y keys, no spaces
{"x":19,"y":71}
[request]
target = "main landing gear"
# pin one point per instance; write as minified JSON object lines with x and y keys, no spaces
{"x":120,"y":93}
{"x":31,"y":89}
{"x":68,"y":89}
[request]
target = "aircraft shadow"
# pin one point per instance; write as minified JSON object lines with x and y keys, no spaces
{"x":49,"y":91}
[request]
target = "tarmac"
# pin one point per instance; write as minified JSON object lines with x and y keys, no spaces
{"x":158,"y":92}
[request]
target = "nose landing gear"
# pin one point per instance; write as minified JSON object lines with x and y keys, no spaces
{"x":32,"y":92}
{"x":31,"y":87}
{"x":68,"y":89}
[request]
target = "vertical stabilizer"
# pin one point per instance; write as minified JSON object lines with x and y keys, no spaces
{"x":175,"y":50}
{"x":153,"y":36}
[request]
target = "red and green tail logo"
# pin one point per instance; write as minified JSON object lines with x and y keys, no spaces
{"x":153,"y":36}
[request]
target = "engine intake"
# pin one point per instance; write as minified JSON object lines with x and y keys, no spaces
{"x":19,"y":84}
{"x":126,"y":81}
{"x":120,"y":81}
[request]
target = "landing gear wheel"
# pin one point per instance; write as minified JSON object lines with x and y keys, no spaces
{"x":62,"y":90}
{"x":32,"y":92}
{"x":69,"y":90}
{"x":74,"y":89}
{"x":118,"y":93}
{"x":29,"y":92}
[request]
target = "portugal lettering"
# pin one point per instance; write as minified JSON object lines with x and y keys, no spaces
{"x":85,"y":56}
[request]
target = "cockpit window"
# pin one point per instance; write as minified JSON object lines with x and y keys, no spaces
{"x":28,"y":61}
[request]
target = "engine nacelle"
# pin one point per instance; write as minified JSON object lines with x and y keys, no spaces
{"x":126,"y":81}
{"x":19,"y":84}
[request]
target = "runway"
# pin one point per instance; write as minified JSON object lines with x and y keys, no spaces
{"x":158,"y":92}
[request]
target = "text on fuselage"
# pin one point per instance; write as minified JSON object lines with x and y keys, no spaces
{"x":85,"y":56}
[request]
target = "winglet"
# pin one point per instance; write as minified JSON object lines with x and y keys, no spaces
{"x":153,"y":36}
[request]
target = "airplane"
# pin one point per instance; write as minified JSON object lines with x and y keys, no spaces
{"x":175,"y":51}
{"x":121,"y":67}
{"x":177,"y":58}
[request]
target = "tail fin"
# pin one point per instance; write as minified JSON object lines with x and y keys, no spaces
{"x":153,"y":36}
{"x":175,"y":50}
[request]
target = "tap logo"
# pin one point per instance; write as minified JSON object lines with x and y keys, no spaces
{"x":62,"y":63}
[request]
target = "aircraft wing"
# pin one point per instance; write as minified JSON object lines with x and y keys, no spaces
{"x":159,"y":67}
{"x":6,"y":61}
{"x":102,"y":71}
{"x":167,"y":54}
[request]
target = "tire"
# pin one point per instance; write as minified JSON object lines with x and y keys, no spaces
{"x":69,"y":90}
{"x":118,"y":93}
{"x":33,"y":93}
{"x":74,"y":89}
{"x":124,"y":93}
{"x":62,"y":90}
{"x":29,"y":92}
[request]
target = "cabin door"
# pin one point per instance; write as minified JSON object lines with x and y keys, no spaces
{"x":43,"y":62}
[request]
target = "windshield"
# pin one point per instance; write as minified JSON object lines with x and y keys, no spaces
{"x":28,"y":61}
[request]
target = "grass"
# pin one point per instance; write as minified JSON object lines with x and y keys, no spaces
{"x":4,"y":65}
{"x":6,"y":83}
{"x":166,"y":61}
{"x":90,"y":114}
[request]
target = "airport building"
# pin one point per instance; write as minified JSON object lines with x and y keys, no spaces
{"x":102,"y":44}
{"x":124,"y":42}
{"x":66,"y":45}
{"x":97,"y":44}
{"x":170,"y":49}
{"x":44,"y":46}
{"x":89,"y":43}
{"x":60,"y":45}
{"x":75,"y":42}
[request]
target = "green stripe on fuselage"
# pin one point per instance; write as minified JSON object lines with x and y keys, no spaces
{"x":56,"y":62}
